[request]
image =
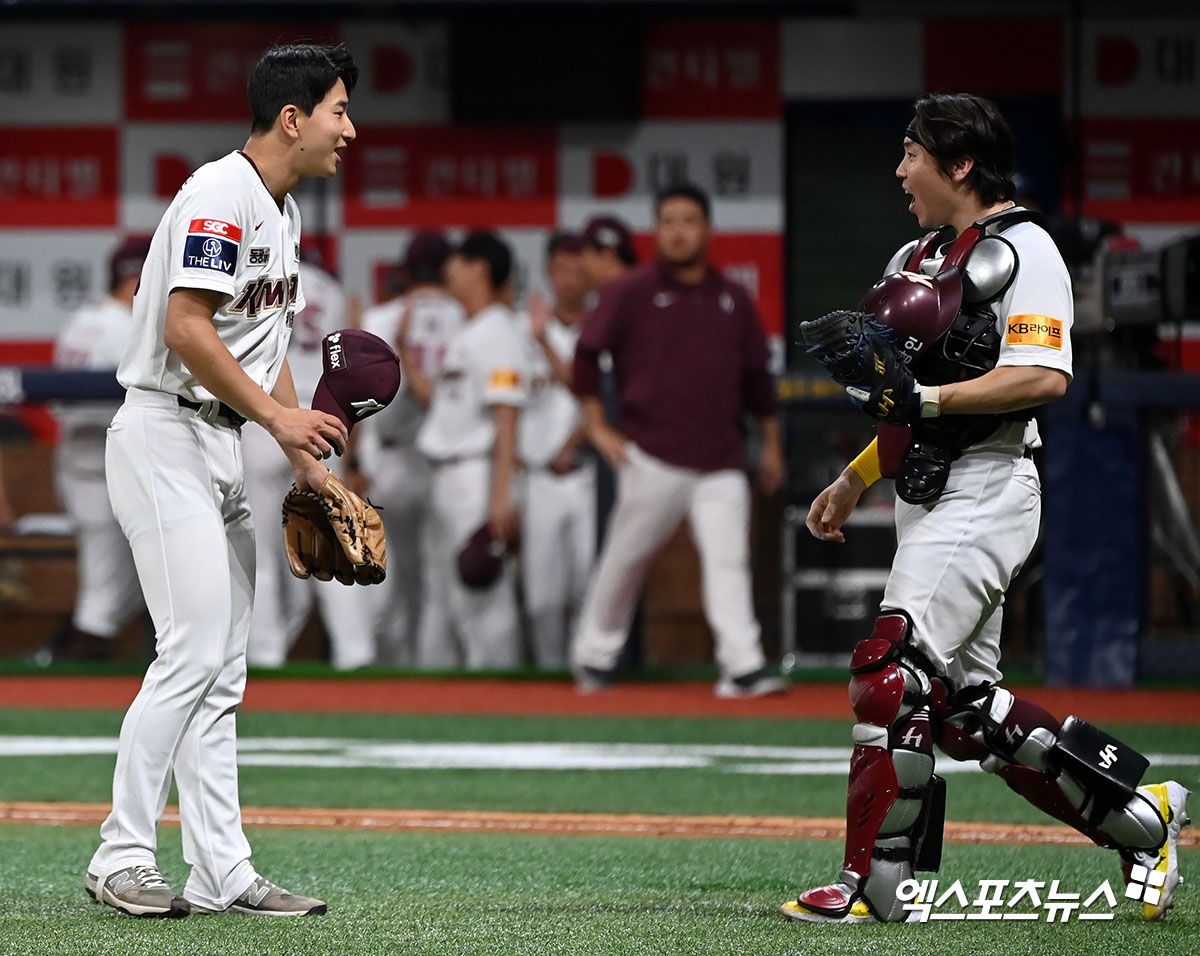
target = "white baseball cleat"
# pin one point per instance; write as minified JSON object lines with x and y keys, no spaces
{"x":1153,"y":876}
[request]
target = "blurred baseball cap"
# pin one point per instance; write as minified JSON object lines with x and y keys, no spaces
{"x":481,"y":559}
{"x":608,"y":232}
{"x":127,"y":259}
{"x":361,"y":377}
{"x":425,"y":256}
{"x":570,"y":242}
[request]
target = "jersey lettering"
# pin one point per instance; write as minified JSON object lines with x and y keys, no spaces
{"x":263,"y":294}
{"x":1035,"y":330}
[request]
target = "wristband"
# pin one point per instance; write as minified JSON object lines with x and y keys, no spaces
{"x":866,"y":465}
{"x":931,"y":400}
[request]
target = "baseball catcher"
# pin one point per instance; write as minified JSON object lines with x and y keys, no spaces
{"x":950,"y":352}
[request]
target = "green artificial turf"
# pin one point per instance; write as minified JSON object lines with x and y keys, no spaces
{"x":973,"y":796}
{"x":502,"y":895}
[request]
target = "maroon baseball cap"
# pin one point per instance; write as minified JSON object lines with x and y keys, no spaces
{"x":362,"y":375}
{"x":481,"y":560}
{"x":426,"y":255}
{"x":608,"y":232}
{"x":127,"y":259}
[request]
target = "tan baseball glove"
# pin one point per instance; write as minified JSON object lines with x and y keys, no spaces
{"x":333,"y":533}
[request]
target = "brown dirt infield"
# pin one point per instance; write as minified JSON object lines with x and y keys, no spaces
{"x":577,"y":824}
{"x":550,"y":698}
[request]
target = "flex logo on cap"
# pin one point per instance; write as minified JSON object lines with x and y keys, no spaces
{"x":362,"y":375}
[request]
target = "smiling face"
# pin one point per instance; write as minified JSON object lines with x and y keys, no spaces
{"x":325,"y":134}
{"x":936,"y":196}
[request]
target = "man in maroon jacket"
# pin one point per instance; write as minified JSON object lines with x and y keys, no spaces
{"x":688,"y":356}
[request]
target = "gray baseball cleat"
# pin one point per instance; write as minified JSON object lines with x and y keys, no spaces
{"x":137,"y":891}
{"x":759,"y":683}
{"x":264,"y":898}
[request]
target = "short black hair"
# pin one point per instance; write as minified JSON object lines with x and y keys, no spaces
{"x":301,"y":74}
{"x":684,"y":191}
{"x":953,"y":125}
{"x":491,"y":249}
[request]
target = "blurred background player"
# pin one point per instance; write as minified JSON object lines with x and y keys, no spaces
{"x":688,"y":355}
{"x":607,"y":253}
{"x":108,"y":594}
{"x":420,"y":324}
{"x":558,"y":534}
{"x":283,"y":602}
{"x":470,"y":438}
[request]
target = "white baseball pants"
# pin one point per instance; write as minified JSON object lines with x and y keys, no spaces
{"x":558,"y":549}
{"x":482,"y":629}
{"x":956,"y":558}
{"x":176,"y":487}
{"x":652,"y":498}
{"x":109,"y":594}
{"x":401,"y":479}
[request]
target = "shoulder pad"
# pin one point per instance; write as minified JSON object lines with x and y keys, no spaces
{"x":900,"y":259}
{"x":989,"y":270}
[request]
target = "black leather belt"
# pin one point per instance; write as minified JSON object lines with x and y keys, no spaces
{"x":213,"y":411}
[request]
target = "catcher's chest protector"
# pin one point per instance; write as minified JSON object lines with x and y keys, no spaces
{"x":957,"y":340}
{"x":981,"y":264}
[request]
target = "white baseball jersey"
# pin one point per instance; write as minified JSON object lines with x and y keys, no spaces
{"x":95,"y":337}
{"x":437,"y":318}
{"x":485,"y":366}
{"x":552,"y":413}
{"x":1036,"y":312}
{"x":324,"y":312}
{"x":224,"y":232}
{"x":957,"y":606}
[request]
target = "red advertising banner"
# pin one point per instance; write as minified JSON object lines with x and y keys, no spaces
{"x":756,"y":261}
{"x":1142,"y":170}
{"x":191,"y":71}
{"x":58,"y":176}
{"x":993,"y":57}
{"x":442,"y":176}
{"x":711,"y":70}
